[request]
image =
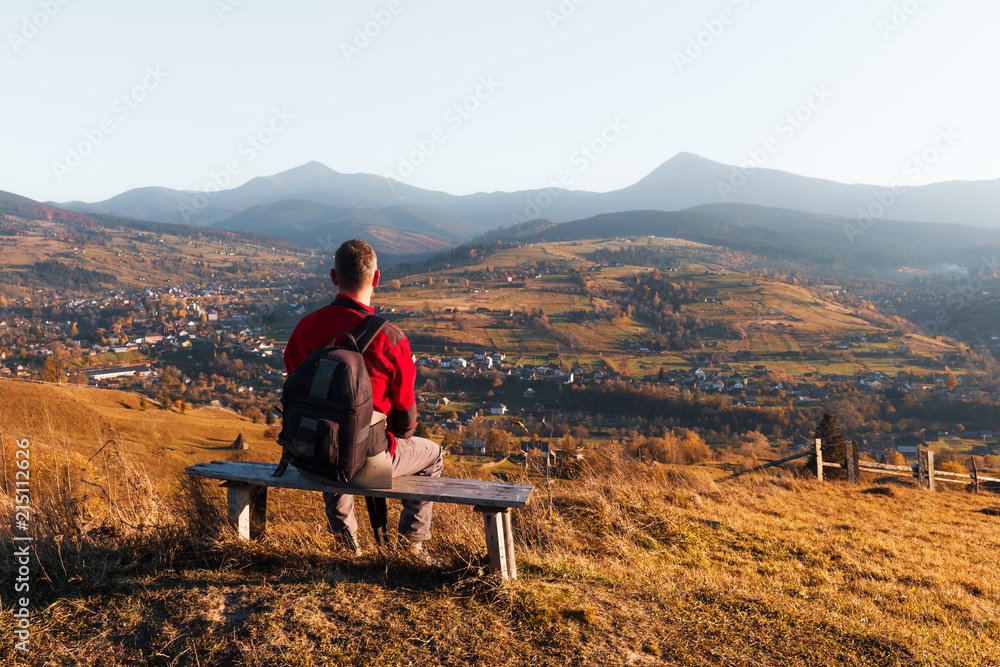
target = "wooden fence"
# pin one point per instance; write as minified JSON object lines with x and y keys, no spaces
{"x":924,"y":472}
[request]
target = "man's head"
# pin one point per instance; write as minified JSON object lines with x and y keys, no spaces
{"x":355,"y":267}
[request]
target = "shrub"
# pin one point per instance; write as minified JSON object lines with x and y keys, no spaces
{"x":953,"y":466}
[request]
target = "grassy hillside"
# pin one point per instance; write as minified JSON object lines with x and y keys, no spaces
{"x":913,"y":243}
{"x":77,"y":420}
{"x":628,"y":567}
{"x":783,"y":234}
{"x":134,"y":258}
{"x":780,"y":320}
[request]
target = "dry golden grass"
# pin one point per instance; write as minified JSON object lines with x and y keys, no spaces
{"x":632,"y":566}
{"x":77,"y":421}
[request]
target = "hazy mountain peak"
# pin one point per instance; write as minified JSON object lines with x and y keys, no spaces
{"x":683,"y":164}
{"x":309,"y":172}
{"x":685,"y":157}
{"x":312,"y":168}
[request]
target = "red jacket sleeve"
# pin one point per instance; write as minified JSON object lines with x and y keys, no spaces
{"x":403,"y":415}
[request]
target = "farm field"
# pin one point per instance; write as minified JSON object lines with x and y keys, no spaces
{"x":138,"y":258}
{"x":791,"y":328}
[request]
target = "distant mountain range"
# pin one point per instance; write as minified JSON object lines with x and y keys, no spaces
{"x":684,"y":181}
{"x":316,"y":206}
{"x":409,"y":232}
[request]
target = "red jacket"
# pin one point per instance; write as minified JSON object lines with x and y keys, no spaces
{"x":388,"y":359}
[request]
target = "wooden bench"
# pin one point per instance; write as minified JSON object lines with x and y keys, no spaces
{"x":247,"y":483}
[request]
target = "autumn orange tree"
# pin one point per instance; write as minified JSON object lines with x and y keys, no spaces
{"x":950,"y":381}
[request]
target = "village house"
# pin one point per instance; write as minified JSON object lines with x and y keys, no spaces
{"x":495,"y":408}
{"x":529,"y":446}
{"x":474,"y":447}
{"x":99,"y":375}
{"x":562,"y":376}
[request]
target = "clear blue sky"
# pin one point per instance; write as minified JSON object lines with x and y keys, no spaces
{"x":895,"y":78}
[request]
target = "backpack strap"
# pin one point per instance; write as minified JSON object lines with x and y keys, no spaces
{"x":367,"y":330}
{"x":378,"y":514}
{"x":286,"y":453}
{"x":378,"y":510}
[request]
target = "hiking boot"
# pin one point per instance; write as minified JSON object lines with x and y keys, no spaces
{"x":421,"y":555}
{"x":348,"y":542}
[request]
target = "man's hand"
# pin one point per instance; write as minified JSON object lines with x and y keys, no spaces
{"x":342,"y":476}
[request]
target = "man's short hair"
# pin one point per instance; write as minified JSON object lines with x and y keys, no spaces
{"x":355,"y":264}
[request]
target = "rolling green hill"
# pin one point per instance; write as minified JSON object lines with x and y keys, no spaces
{"x":41,"y":246}
{"x":917,"y":243}
{"x":597,"y":315}
{"x":783,"y":234}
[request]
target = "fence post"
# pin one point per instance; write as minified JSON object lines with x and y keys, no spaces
{"x":819,"y":459}
{"x":975,"y":476}
{"x":851,"y":461}
{"x":930,"y":469}
{"x":856,"y":461}
{"x":925,"y":468}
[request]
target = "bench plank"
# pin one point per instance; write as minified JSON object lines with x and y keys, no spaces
{"x":410,"y":487}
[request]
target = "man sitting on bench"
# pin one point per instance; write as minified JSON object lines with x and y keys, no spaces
{"x":390,"y":366}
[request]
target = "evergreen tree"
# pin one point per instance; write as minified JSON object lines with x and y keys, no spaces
{"x":828,"y":430}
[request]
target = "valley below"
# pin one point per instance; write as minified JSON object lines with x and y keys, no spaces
{"x":652,"y":355}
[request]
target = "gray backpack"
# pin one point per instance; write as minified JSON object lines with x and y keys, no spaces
{"x":326,"y":404}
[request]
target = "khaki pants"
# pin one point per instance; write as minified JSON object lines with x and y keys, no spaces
{"x":414,"y":456}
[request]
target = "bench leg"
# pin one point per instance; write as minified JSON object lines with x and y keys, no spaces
{"x":247,"y":508}
{"x":508,"y":545}
{"x":499,"y":542}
